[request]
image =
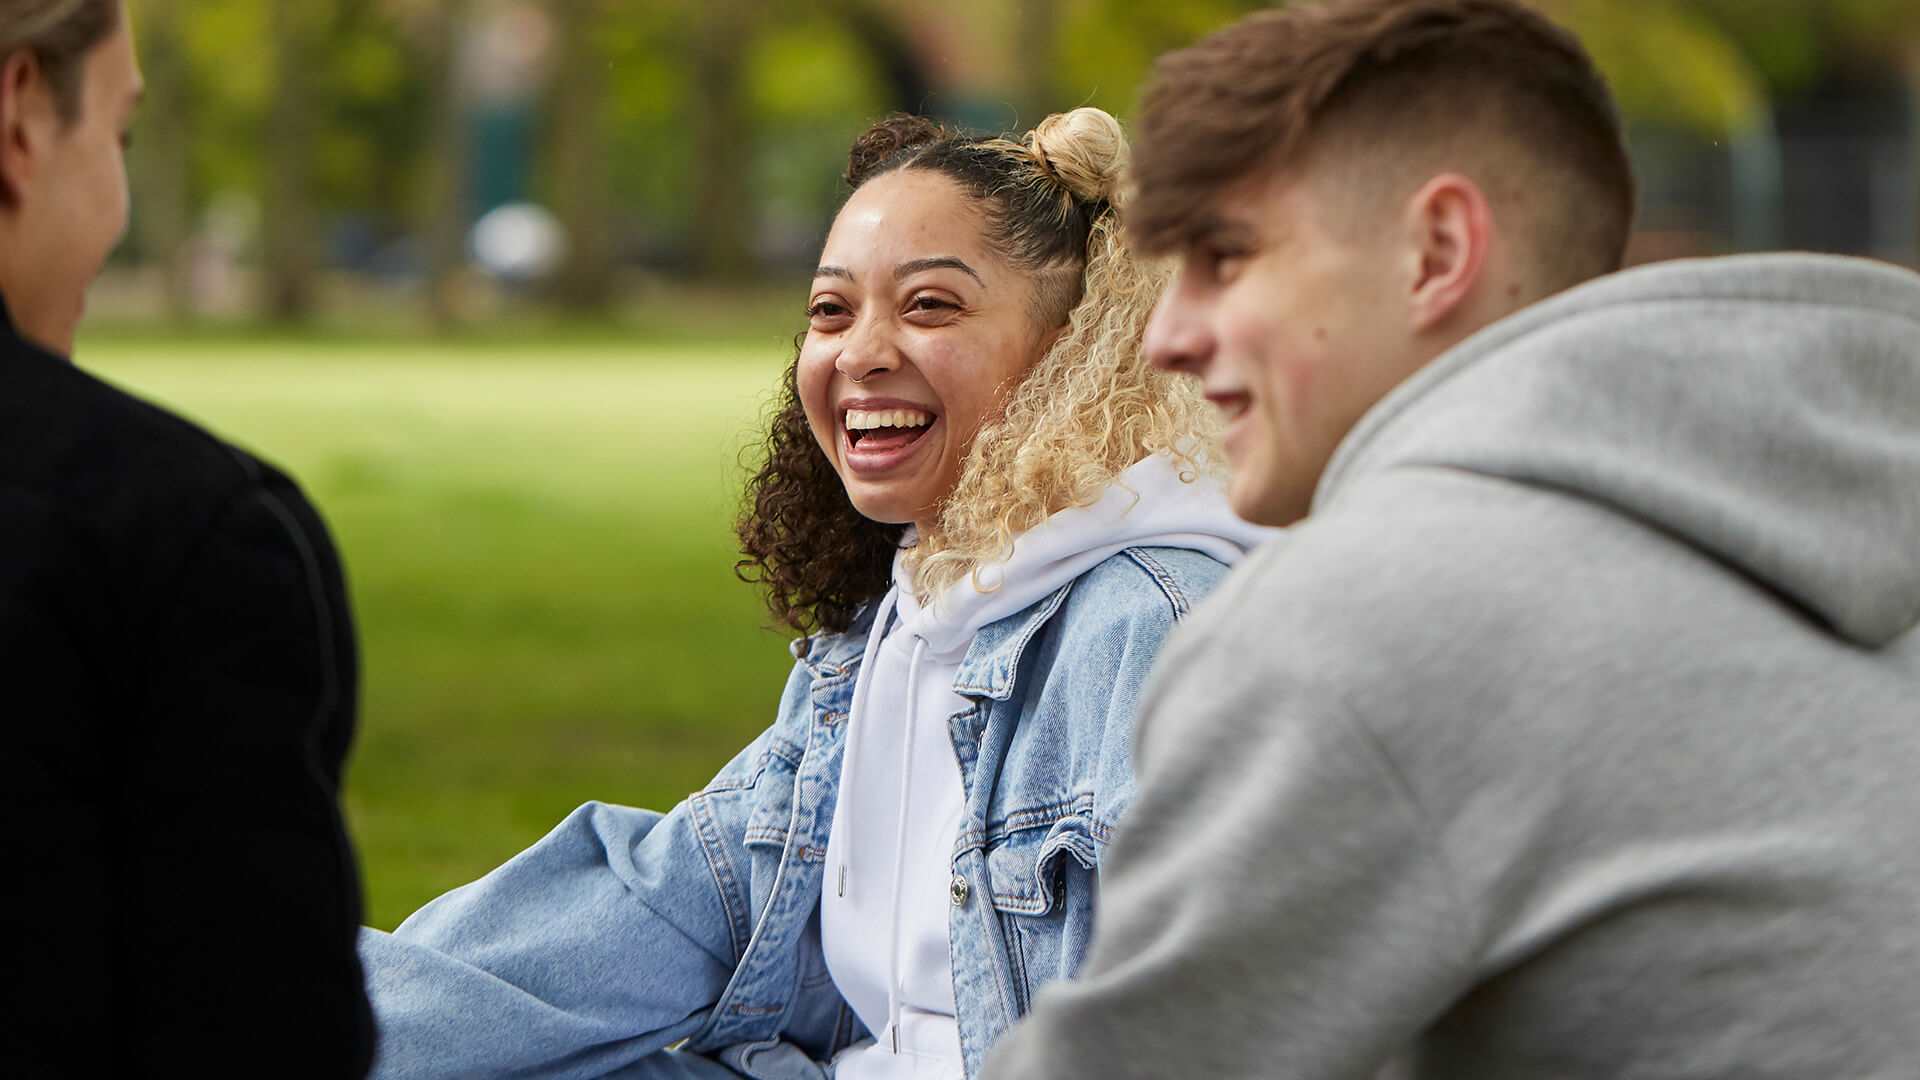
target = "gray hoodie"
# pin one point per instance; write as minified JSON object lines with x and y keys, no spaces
{"x":1577,"y":732}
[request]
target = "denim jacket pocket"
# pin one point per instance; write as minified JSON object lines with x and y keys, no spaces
{"x":1028,"y":868}
{"x":1043,"y":884}
{"x":772,"y":813}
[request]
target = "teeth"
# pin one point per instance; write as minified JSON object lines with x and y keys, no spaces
{"x":866,"y":420}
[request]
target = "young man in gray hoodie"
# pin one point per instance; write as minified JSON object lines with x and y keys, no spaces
{"x":1574,"y":729}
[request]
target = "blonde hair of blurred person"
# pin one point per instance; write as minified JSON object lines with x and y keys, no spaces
{"x":69,"y":84}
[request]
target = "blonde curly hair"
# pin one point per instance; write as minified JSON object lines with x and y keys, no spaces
{"x":1086,"y":410}
{"x":1092,"y":405}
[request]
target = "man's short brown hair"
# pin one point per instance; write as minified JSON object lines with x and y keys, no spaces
{"x":1380,"y":81}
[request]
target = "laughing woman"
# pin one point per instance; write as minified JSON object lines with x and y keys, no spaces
{"x":988,"y":512}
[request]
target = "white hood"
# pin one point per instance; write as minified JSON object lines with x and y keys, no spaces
{"x":1149,"y":505}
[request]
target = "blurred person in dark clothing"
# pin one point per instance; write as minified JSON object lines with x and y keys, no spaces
{"x":1571,"y":731}
{"x":178,"y":653}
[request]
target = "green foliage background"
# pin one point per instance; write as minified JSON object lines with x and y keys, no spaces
{"x":537,"y":541}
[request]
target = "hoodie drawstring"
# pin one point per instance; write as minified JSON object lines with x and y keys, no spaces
{"x":861,"y":690}
{"x":881,"y":622}
{"x":900,"y":841}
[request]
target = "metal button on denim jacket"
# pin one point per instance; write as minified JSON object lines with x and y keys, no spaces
{"x":626,"y":931}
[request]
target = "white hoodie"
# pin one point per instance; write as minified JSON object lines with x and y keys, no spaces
{"x":884,"y":910}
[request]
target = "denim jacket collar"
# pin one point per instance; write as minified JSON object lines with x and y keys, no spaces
{"x":987,"y":671}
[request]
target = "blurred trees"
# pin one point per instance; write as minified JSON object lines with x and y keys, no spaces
{"x":705,"y":137}
{"x":1668,"y":63}
{"x":160,"y":160}
{"x":577,"y":155}
{"x":1794,"y":42}
{"x":1722,"y":68}
{"x":439,"y":211}
{"x":1709,"y":64}
{"x":266,"y":123}
{"x":288,"y":227}
{"x":722,"y":118}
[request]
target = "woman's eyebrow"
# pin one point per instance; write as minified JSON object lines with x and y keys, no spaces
{"x":937,"y":262}
{"x":834,"y":272}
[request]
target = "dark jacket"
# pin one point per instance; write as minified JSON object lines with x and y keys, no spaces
{"x":180,"y":688}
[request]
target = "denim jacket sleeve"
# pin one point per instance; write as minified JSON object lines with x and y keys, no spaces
{"x":609,"y":939}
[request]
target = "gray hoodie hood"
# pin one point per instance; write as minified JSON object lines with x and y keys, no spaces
{"x":1619,"y":392}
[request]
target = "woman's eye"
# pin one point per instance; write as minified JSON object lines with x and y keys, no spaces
{"x":826,"y":309}
{"x":931,"y":303}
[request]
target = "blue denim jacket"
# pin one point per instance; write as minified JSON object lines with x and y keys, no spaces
{"x":624,"y":932}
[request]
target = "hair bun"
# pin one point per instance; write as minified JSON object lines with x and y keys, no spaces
{"x":887,"y":137}
{"x":1085,"y":149}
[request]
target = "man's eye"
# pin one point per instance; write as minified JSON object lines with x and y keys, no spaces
{"x":1218,"y":262}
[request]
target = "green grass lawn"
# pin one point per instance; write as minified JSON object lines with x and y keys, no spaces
{"x":538,"y":540}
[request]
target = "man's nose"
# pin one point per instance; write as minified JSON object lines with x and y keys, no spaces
{"x":1177,"y":339}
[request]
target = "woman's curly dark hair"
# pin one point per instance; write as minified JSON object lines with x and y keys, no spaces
{"x":817,"y":557}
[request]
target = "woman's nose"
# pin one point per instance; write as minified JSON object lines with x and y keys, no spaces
{"x":868,"y":351}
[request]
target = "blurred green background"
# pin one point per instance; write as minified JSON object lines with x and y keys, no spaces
{"x":509,"y":284}
{"x":536,"y":538}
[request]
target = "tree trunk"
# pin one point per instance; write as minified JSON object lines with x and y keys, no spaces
{"x":288,"y":223}
{"x":723,"y":217}
{"x":1035,"y":51}
{"x":161,"y":173}
{"x":445,"y":211}
{"x":909,"y":86}
{"x":578,"y":145}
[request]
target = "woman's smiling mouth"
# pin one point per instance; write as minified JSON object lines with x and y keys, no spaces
{"x":879,"y":437}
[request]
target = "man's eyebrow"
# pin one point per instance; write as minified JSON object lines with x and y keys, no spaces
{"x":937,"y":262}
{"x":1214,"y":228}
{"x":834,"y":272}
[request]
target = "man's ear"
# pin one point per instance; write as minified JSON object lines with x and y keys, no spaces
{"x":21,"y":81}
{"x":1451,"y":229}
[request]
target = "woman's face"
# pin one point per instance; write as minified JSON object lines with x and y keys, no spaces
{"x":916,"y":333}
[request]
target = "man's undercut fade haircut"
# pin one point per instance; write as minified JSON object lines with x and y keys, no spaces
{"x":1394,"y":81}
{"x":60,"y":34}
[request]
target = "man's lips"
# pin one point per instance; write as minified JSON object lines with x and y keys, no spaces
{"x":1232,"y":404}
